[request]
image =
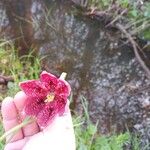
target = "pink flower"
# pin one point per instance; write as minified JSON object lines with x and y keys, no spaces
{"x":47,"y":97}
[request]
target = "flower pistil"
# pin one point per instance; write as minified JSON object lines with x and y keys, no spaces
{"x":50,"y":97}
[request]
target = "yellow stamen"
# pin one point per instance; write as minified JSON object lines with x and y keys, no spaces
{"x":50,"y":97}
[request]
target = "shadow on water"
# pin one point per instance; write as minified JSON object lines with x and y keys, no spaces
{"x":99,"y":65}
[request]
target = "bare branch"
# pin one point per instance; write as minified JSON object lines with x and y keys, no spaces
{"x":134,"y":45}
{"x":5,"y":79}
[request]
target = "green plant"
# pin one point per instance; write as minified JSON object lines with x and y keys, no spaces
{"x":1,"y":132}
{"x":88,"y":138}
{"x":136,"y":18}
{"x":20,"y":68}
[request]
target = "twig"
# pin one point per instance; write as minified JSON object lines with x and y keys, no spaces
{"x":141,"y":28}
{"x":5,"y":79}
{"x":97,"y":13}
{"x":27,"y":121}
{"x":137,"y":55}
{"x":117,"y":17}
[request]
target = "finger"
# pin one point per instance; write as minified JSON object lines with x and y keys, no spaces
{"x":19,"y":100}
{"x":18,"y":145}
{"x":10,"y":118}
{"x":67,"y":109}
{"x":65,"y":121}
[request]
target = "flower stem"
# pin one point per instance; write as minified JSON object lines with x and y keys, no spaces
{"x":16,"y":128}
{"x":63,"y":76}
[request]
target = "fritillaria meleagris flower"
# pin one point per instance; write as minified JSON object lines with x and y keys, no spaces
{"x":46,"y":97}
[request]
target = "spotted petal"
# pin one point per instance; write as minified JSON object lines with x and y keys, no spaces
{"x":33,"y":106}
{"x":63,"y":88}
{"x":49,"y":80}
{"x":34,"y":88}
{"x":61,"y":103}
{"x":46,"y":115}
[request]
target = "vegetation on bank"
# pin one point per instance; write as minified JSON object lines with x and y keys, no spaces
{"x":87,"y":136}
{"x":133,"y":14}
{"x":130,"y":17}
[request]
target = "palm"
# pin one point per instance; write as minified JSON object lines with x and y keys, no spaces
{"x":58,"y":135}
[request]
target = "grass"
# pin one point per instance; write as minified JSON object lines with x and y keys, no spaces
{"x":21,"y":69}
{"x":1,"y":132}
{"x":136,"y":17}
{"x":87,"y":136}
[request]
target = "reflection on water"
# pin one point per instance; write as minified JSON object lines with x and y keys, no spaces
{"x":106,"y":74}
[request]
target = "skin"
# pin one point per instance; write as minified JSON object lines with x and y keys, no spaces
{"x":58,"y":135}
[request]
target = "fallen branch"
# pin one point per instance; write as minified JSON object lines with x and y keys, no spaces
{"x":117,"y":18}
{"x":5,"y":79}
{"x":134,"y":45}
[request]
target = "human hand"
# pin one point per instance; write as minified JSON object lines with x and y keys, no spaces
{"x":59,"y":135}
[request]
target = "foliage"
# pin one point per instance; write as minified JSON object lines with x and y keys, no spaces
{"x":1,"y":132}
{"x":88,"y":138}
{"x":20,"y":68}
{"x":137,"y":16}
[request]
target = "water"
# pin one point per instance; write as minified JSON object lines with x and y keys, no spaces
{"x":100,"y":66}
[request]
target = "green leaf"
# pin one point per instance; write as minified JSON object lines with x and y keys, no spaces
{"x":92,"y":129}
{"x":102,"y":143}
{"x":124,"y":3}
{"x":134,"y":13}
{"x":146,"y":34}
